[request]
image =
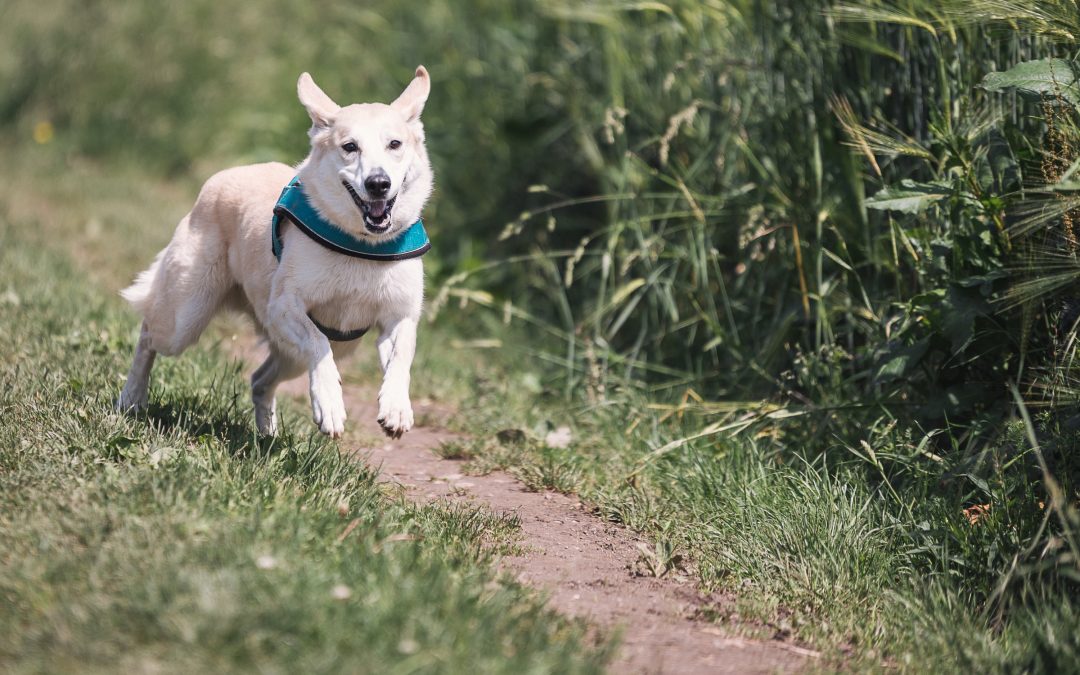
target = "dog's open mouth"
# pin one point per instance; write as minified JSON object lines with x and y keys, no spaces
{"x":376,"y":211}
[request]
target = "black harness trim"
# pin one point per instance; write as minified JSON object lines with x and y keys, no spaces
{"x":338,"y":335}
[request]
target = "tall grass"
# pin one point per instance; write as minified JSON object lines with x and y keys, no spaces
{"x":836,"y":237}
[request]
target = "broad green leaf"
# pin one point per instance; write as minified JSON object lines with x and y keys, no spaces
{"x":1038,"y":79}
{"x":901,"y":360}
{"x":909,"y":197}
{"x":960,"y":309}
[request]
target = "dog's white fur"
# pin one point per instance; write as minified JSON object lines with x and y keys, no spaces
{"x":220,"y":256}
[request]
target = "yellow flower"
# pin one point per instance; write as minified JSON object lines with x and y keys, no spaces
{"x":43,"y":132}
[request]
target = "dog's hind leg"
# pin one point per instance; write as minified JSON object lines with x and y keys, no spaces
{"x":264,"y":382}
{"x":177,"y":296}
{"x":186,"y":285}
{"x":136,"y":391}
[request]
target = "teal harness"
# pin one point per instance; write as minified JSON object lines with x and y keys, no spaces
{"x":294,"y":205}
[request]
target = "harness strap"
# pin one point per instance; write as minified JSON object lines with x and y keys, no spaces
{"x":336,"y":335}
{"x":294,"y":205}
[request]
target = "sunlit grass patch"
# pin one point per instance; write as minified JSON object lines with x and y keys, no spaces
{"x":179,"y":540}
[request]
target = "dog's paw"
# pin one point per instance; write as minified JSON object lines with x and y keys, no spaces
{"x":132,"y":402}
{"x":266,"y":418}
{"x":395,"y":413}
{"x":327,"y":404}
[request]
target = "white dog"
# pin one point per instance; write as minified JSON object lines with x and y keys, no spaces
{"x":336,"y":254}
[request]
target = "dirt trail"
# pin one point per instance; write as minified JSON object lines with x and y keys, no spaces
{"x":584,"y":563}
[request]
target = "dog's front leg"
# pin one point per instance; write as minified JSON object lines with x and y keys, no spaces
{"x":291,"y":329}
{"x":397,"y":346}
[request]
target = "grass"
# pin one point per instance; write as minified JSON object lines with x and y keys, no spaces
{"x":179,"y":541}
{"x":823,"y":552}
{"x":782,"y":268}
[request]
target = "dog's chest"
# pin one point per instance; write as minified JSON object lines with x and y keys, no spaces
{"x":349,"y":293}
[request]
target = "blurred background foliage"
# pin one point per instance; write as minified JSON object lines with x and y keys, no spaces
{"x":685,"y":183}
{"x":846,"y":229}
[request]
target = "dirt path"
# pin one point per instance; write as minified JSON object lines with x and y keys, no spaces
{"x":583,"y":563}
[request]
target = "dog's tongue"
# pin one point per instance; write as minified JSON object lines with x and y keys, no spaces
{"x":377,"y":208}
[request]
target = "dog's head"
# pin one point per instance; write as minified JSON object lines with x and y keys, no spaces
{"x":368,"y":171}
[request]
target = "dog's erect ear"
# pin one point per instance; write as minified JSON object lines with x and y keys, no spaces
{"x":411,"y":102}
{"x":319,"y":106}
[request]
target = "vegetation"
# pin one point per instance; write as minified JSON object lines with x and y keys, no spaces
{"x":798,"y":275}
{"x":181,"y":542}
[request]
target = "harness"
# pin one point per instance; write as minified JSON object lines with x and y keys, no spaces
{"x":293,"y":205}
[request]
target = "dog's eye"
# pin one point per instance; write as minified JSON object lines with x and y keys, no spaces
{"x":350,"y":147}
{"x":395,"y":144}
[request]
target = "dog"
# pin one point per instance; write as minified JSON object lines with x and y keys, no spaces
{"x":310,"y":289}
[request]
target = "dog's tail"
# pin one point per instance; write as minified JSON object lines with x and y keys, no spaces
{"x":139,"y":293}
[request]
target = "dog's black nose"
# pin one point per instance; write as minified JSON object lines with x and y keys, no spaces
{"x":377,"y":184}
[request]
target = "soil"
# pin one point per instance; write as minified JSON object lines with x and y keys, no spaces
{"x":586,"y":566}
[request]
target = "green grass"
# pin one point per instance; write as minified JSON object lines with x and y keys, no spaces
{"x":825,"y":553}
{"x":178,"y":541}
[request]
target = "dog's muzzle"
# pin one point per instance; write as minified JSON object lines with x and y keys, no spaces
{"x":376,"y":212}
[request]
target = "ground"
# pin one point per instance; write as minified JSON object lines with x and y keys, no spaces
{"x":587,"y":567}
{"x":180,"y":540}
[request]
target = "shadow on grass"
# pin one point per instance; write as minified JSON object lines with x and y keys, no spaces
{"x":201,"y":416}
{"x":220,"y":415}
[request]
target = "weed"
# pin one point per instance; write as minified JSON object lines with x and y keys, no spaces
{"x":454,"y":449}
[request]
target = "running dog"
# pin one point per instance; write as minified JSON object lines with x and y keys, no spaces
{"x":316,"y":255}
